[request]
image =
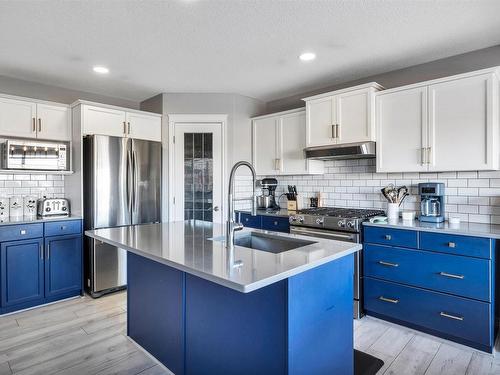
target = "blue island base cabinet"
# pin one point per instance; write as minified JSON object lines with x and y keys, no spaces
{"x":300,"y":325}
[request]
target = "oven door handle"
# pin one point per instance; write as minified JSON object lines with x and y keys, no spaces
{"x":309,"y":232}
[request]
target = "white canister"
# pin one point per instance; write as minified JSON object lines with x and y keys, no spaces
{"x":393,"y":210}
{"x":29,"y":205}
{"x":16,"y":206}
{"x":4,"y":209}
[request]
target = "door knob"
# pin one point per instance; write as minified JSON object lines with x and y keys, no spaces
{"x":216,"y":208}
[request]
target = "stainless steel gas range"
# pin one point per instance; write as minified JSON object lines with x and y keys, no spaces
{"x":343,"y":224}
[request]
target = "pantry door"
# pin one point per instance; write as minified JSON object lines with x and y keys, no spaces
{"x":198,"y":172}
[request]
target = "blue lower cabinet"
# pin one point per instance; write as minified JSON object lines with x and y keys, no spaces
{"x":251,"y":221}
{"x":266,"y":222}
{"x":277,"y":224}
{"x":466,"y":277}
{"x":464,"y":320}
{"x":39,"y":270}
{"x":22,"y":273}
{"x":63,"y":265}
{"x":440,"y":283}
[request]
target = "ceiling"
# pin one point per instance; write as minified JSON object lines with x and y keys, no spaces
{"x":249,"y":47}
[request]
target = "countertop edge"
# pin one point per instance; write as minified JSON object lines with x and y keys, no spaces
{"x":40,"y":220}
{"x":237,"y":287}
{"x":415,"y":226}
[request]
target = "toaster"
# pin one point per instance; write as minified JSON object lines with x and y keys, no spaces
{"x":53,"y":207}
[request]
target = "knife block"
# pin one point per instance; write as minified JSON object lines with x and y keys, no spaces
{"x":293,"y":205}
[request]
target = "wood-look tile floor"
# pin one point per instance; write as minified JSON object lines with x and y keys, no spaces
{"x":408,"y":352}
{"x":87,"y":336}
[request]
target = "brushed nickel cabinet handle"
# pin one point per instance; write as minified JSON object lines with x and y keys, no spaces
{"x":124,"y":127}
{"x":337,"y":131}
{"x":333,"y":131}
{"x":128,"y":124}
{"x":48,"y":251}
{"x":452,"y":244}
{"x":451,"y":275}
{"x":39,"y":125}
{"x":275,"y":223}
{"x":450,"y":316}
{"x":34,"y":125}
{"x":40,"y":251}
{"x":429,"y":155}
{"x":388,"y":237}
{"x":388,"y":264}
{"x":422,"y":155}
{"x":390,"y":300}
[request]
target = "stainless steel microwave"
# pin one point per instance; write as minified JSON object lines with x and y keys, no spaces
{"x":35,"y":155}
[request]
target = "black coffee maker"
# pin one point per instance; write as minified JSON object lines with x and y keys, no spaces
{"x":269,"y":188}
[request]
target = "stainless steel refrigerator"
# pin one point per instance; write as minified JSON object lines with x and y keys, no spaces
{"x":121,"y":179}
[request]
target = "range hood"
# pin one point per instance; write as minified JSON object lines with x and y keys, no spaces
{"x":360,"y":150}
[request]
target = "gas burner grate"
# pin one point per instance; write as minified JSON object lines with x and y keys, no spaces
{"x":350,"y":213}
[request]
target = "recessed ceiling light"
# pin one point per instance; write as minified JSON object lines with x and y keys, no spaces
{"x":307,"y":56}
{"x":101,"y":69}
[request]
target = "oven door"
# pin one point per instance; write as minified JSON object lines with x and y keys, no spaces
{"x":346,"y":237}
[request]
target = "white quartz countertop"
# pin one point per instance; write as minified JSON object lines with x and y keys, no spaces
{"x":187,"y":246}
{"x":464,"y":228}
{"x":35,"y":219}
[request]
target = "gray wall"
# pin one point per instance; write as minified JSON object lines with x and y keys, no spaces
{"x":475,"y":60}
{"x":238,"y":108}
{"x":19,"y":87}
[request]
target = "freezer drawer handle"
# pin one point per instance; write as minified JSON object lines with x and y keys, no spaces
{"x":451,"y":276}
{"x":388,"y":264}
{"x":388,"y":237}
{"x":22,"y":232}
{"x":452,"y":244}
{"x":449,"y":316}
{"x":391,"y":300}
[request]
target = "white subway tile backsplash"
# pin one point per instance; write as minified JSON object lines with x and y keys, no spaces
{"x":40,"y":185}
{"x":471,"y":196}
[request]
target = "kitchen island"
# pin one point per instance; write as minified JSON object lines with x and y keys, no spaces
{"x":200,"y":309}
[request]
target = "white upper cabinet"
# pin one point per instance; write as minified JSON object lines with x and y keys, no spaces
{"x":278,"y":145}
{"x":265,"y":152}
{"x":450,"y":124}
{"x":17,"y":118}
{"x":53,"y":122}
{"x":355,"y":116}
{"x":402,"y":119}
{"x":343,"y":116}
{"x":117,"y":122}
{"x":320,"y":122}
{"x":461,"y":130}
{"x":144,"y":126}
{"x":29,"y":119}
{"x":104,"y":121}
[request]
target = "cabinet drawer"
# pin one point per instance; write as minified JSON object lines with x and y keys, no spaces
{"x":251,"y":221}
{"x":277,"y":224}
{"x":466,"y":277}
{"x":20,"y":232}
{"x":59,"y":228}
{"x":455,"y":316}
{"x":453,"y":244}
{"x":388,"y":236}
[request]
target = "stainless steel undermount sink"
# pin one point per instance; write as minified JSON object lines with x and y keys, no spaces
{"x":268,"y":242}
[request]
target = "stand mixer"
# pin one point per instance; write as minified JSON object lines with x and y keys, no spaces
{"x":267,"y":200}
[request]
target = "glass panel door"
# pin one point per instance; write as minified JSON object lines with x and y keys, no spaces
{"x":198,"y":172}
{"x":198,"y":176}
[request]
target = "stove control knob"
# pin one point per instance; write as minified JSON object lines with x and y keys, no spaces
{"x":341,"y":223}
{"x":292,"y":219}
{"x":301,"y":219}
{"x":319,"y":221}
{"x":350,"y":224}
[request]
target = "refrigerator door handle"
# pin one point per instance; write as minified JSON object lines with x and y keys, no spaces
{"x":130,"y":177}
{"x":135,"y":181}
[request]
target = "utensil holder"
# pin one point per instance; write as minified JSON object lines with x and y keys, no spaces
{"x":393,"y":210}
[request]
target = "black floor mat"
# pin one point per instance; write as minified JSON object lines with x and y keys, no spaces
{"x":366,"y":364}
